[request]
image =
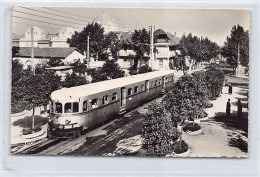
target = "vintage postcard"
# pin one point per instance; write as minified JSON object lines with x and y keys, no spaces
{"x":130,"y":82}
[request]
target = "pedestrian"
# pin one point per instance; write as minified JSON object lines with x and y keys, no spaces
{"x":229,"y":88}
{"x":239,"y":109}
{"x":228,"y":108}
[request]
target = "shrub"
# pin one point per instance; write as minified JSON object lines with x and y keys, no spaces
{"x":179,"y":148}
{"x":158,"y":131}
{"x":30,"y":131}
{"x":191,"y":127}
{"x":27,"y":121}
{"x":144,"y":69}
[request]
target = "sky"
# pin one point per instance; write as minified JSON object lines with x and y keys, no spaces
{"x":215,"y":24}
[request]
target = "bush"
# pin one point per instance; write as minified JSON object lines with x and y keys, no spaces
{"x":190,"y":127}
{"x":31,"y":131}
{"x":158,"y":131}
{"x":144,"y":69}
{"x":27,"y":121}
{"x":177,"y":149}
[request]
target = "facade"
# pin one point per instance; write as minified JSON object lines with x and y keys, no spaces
{"x":107,"y":23}
{"x":43,"y":55}
{"x":62,"y":71}
{"x":42,"y":39}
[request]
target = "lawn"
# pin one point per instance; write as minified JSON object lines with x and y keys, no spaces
{"x":27,"y":121}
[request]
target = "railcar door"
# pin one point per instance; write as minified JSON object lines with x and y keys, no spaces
{"x":163,"y":82}
{"x":123,"y":97}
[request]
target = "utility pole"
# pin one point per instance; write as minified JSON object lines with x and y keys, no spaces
{"x":33,"y":69}
{"x":151,"y":63}
{"x":88,"y":58}
{"x":32,"y":50}
{"x":238,"y":61}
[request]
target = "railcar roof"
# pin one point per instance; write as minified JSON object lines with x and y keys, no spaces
{"x":89,"y":89}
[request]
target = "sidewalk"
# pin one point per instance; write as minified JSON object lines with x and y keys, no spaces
{"x":216,"y":138}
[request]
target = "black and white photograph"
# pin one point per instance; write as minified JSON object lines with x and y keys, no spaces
{"x":138,"y":82}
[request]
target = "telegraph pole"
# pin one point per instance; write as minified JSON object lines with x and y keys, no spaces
{"x":238,"y":60}
{"x":33,"y":69}
{"x":151,"y":63}
{"x":32,"y":51}
{"x":88,"y":58}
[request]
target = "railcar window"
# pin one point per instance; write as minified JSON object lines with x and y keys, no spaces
{"x":58,"y":108}
{"x":167,"y":79}
{"x":155,"y":83}
{"x":129,"y":92}
{"x":94,"y":103}
{"x":142,"y":87}
{"x":114,"y":96}
{"x":75,"y":107}
{"x":105,"y":99}
{"x":136,"y":89}
{"x":151,"y":84}
{"x":160,"y":82}
{"x":85,"y":106}
{"x":68,"y":108}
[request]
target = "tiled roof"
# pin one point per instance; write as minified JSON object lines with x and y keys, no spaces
{"x":45,"y":52}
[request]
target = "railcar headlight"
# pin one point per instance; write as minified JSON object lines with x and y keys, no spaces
{"x":67,"y":121}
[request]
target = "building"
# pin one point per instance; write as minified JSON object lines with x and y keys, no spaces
{"x":62,"y":71}
{"x":43,"y":55}
{"x":107,"y":22}
{"x":43,"y":39}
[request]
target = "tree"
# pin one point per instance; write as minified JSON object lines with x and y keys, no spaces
{"x":33,"y":90}
{"x":79,"y":67}
{"x":96,"y":40}
{"x":73,"y":80}
{"x":184,"y":101}
{"x":112,"y":44}
{"x":239,"y":38}
{"x":110,"y":70}
{"x":158,"y":131}
{"x":200,"y":49}
{"x":140,"y":44}
{"x":53,"y":62}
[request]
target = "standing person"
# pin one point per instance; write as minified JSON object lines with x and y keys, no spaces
{"x":228,"y":108}
{"x":239,"y":109}
{"x":229,"y":88}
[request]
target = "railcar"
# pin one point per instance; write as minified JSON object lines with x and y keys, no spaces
{"x":78,"y":108}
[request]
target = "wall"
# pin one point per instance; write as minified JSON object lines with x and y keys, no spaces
{"x":75,"y":55}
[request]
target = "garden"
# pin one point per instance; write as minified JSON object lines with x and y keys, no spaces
{"x":180,"y":112}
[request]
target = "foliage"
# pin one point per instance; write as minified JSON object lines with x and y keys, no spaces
{"x":29,"y":131}
{"x":140,"y":44}
{"x":96,"y":40}
{"x":200,"y":49}
{"x":144,"y":69}
{"x":214,"y":78}
{"x":73,"y":80}
{"x":238,"y":36}
{"x":79,"y":67}
{"x":53,"y":62}
{"x":17,"y":69}
{"x":112,"y":43}
{"x":110,"y":70}
{"x":158,"y":131}
{"x":191,"y":127}
{"x":30,"y":91}
{"x":186,"y":100}
{"x":27,"y":121}
{"x":180,"y":149}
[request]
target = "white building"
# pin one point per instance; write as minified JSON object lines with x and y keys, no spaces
{"x":43,"y":39}
{"x":107,"y":22}
{"x":43,"y":55}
